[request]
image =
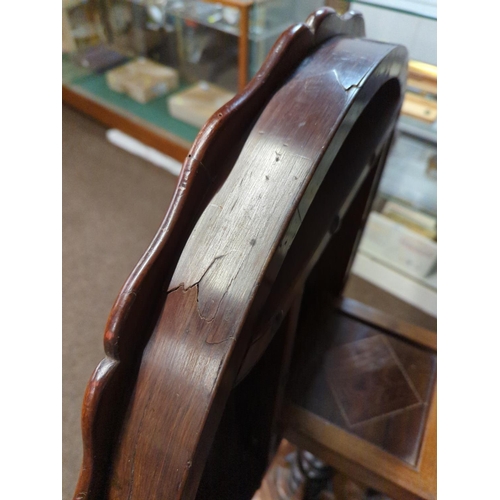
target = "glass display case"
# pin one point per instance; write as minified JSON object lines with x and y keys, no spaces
{"x":215,"y":48}
{"x":398,"y":250}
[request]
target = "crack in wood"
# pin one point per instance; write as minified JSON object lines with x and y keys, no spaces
{"x":186,"y":288}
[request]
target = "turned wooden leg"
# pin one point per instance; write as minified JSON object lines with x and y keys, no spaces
{"x":296,"y":475}
{"x":310,"y":473}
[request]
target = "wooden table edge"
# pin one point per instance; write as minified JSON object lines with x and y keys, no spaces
{"x":355,"y":457}
{"x":389,"y":324}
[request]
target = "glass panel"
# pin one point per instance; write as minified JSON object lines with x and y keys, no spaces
{"x":420,"y":8}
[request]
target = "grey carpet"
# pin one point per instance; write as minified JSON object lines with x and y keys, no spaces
{"x":113,"y":203}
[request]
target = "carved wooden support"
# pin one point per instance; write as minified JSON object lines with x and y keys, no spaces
{"x":310,"y":471}
{"x":264,"y":187}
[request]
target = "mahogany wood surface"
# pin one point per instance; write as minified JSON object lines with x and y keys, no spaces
{"x":364,"y":380}
{"x":363,"y":398}
{"x":193,"y":338}
{"x":385,"y":322}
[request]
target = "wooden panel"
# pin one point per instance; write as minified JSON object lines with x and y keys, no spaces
{"x":354,"y":381}
{"x":134,"y":326}
{"x":181,"y":326}
{"x":205,"y":322}
{"x":363,"y":461}
{"x":365,"y":381}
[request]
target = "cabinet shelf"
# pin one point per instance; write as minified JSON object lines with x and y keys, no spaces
{"x":150,"y":123}
{"x":255,"y":33}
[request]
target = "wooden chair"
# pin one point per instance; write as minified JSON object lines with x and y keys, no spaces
{"x":188,"y":402}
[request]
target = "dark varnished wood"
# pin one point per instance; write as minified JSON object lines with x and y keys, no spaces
{"x":236,"y":256}
{"x":363,"y":379}
{"x":387,"y":323}
{"x":141,"y":296}
{"x":265,"y":186}
{"x":363,"y":396}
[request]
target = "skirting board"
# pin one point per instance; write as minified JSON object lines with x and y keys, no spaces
{"x":124,"y":141}
{"x":396,"y":284}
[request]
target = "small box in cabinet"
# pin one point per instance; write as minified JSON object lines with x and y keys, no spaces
{"x":198,"y":103}
{"x":143,"y":80}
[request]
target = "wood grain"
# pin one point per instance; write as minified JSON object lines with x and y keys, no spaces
{"x":179,"y":332}
{"x":363,"y":379}
{"x":363,"y":461}
{"x":204,"y":170}
{"x":385,"y":322}
{"x":363,"y":398}
{"x":215,"y":302}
